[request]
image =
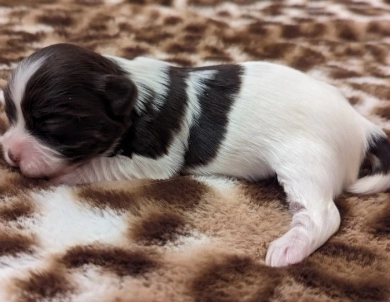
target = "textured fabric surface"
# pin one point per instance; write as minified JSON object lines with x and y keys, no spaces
{"x":195,"y":239}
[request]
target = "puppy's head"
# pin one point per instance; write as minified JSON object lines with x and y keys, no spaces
{"x":65,"y":105}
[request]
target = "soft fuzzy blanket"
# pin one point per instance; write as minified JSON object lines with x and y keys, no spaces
{"x":195,"y":239}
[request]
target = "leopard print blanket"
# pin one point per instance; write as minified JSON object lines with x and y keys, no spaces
{"x":195,"y":238}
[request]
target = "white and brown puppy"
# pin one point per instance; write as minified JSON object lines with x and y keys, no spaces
{"x":77,"y":117}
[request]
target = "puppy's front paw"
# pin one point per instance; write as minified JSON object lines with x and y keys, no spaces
{"x":289,"y":249}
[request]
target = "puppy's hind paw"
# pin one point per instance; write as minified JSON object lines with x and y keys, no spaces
{"x":291,"y":248}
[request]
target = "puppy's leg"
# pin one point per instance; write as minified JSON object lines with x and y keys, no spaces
{"x":315,"y":216}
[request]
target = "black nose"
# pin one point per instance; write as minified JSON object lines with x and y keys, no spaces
{"x":15,"y":159}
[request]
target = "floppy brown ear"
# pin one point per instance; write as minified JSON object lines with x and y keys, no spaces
{"x":121,"y":94}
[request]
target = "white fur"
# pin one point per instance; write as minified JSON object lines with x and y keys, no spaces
{"x":23,"y":73}
{"x":282,"y":122}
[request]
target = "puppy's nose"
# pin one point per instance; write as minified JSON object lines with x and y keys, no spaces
{"x":14,"y":158}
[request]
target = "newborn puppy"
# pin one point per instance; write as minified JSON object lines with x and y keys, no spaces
{"x":78,"y":117}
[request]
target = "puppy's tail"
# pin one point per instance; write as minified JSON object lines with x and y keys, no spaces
{"x":378,"y":153}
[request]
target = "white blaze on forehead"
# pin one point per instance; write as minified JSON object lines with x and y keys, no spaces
{"x":19,"y":80}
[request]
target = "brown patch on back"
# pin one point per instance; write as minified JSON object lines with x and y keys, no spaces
{"x":235,"y":278}
{"x":157,"y":227}
{"x":41,"y":286}
{"x":14,"y":243}
{"x":120,"y":261}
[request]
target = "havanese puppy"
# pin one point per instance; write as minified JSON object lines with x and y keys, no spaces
{"x":79,"y":117}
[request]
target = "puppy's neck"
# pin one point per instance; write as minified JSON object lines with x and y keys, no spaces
{"x":151,"y":78}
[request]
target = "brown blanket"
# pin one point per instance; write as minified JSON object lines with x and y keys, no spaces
{"x":195,"y":239}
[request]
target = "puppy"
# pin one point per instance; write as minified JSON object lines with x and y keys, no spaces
{"x":79,"y":117}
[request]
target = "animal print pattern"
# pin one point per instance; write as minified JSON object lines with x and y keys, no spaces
{"x":194,"y":238}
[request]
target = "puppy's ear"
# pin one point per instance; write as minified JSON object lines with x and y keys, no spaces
{"x":121,"y":94}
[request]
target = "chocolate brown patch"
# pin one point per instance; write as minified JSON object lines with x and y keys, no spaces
{"x":132,"y":52}
{"x":183,"y":193}
{"x":340,"y":286}
{"x":3,"y":123}
{"x":380,"y":91}
{"x":90,"y":2}
{"x":114,"y":199}
{"x":264,"y":191}
{"x":343,"y":206}
{"x":180,"y":62}
{"x":235,"y":278}
{"x":291,"y":31}
{"x":307,"y":59}
{"x":17,"y":184}
{"x":42,"y":286}
{"x":360,"y":255}
{"x":277,"y":50}
{"x":383,"y":111}
{"x":346,"y":30}
{"x":153,"y":36}
{"x":13,"y":3}
{"x":354,"y":100}
{"x":21,"y":208}
{"x":178,"y":48}
{"x":257,"y":28}
{"x":172,"y":20}
{"x":56,"y":18}
{"x":157,"y":228}
{"x":120,"y":261}
{"x":273,"y":9}
{"x":379,"y":28}
{"x":379,"y":224}
{"x":341,"y":73}
{"x":13,"y":244}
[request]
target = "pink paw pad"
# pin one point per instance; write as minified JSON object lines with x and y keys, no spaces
{"x":289,"y":249}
